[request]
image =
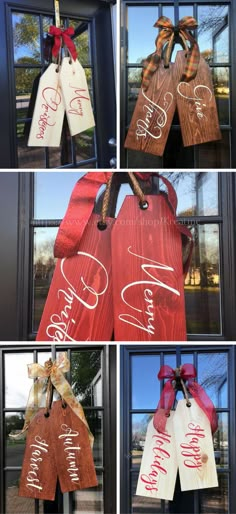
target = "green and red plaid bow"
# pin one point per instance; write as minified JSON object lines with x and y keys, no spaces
{"x":167,"y":33}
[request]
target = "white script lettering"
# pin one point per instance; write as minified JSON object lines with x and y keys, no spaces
{"x":152,"y":109}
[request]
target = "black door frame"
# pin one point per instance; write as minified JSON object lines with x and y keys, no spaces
{"x":98,"y":13}
{"x":109,"y":421}
{"x":125,"y":406}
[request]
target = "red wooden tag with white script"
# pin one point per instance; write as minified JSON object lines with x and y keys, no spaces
{"x":148,"y":285}
{"x":76,"y":96}
{"x":49,"y":111}
{"x":39,"y":476}
{"x":158,"y":469}
{"x":153,"y":114}
{"x":79,"y":303}
{"x":194,"y":447}
{"x":196,"y":104}
{"x":73,"y":454}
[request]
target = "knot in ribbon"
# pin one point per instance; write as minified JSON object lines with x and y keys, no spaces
{"x":167,"y":33}
{"x":55,"y":372}
{"x":185,"y":373}
{"x":63,"y":35}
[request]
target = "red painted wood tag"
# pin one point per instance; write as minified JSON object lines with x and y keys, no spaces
{"x":194,"y":447}
{"x":196,"y":104}
{"x":79,"y":303}
{"x":148,"y":285}
{"x":158,"y":469}
{"x":39,"y":475}
{"x":73,"y":454}
{"x":153,"y":114}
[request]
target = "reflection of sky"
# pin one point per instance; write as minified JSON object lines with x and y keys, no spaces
{"x":142,"y":34}
{"x":212,"y":375}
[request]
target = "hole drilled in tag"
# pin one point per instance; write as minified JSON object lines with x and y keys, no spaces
{"x":46,"y":415}
{"x":144,"y":205}
{"x":188,"y":404}
{"x":101,"y":225}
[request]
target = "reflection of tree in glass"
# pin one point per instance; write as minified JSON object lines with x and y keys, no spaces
{"x":211,"y":19}
{"x":14,"y":422}
{"x":84,"y":368}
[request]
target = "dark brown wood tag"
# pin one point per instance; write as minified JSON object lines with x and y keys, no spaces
{"x":148,"y":282}
{"x":153,"y":114}
{"x":196,"y":104}
{"x":73,"y":454}
{"x":79,"y":306}
{"x":39,"y":475}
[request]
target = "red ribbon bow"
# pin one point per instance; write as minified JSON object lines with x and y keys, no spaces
{"x":65,"y":36}
{"x":186,"y":372}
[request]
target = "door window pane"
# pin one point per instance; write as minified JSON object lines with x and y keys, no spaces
{"x":221,"y":88}
{"x":44,"y":264}
{"x":26,"y":38}
{"x":145,"y":384}
{"x":202,"y":284}
{"x":14,"y":449}
{"x":197,"y":193}
{"x":141,"y":33}
{"x":87,"y":377}
{"x":221,"y":441}
{"x":211,"y":20}
{"x":17,"y":391}
{"x":90,"y":501}
{"x":14,"y":503}
{"x":139,"y":428}
{"x":213,"y":377}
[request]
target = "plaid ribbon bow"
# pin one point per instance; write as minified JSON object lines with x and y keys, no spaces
{"x":167,"y":33}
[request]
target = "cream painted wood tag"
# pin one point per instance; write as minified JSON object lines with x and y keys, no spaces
{"x":49,"y":111}
{"x":76,"y":96}
{"x":194,"y":447}
{"x":158,"y":469}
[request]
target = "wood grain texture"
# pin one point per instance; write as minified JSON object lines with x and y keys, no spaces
{"x":148,"y":284}
{"x":158,"y":469}
{"x":79,"y":303}
{"x":76,"y":96}
{"x":153,"y":114}
{"x":196,"y":104}
{"x":49,"y":111}
{"x":73,"y":454}
{"x":194,"y":447}
{"x":38,"y":476}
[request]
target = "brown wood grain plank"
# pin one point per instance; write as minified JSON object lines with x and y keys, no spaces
{"x":73,"y":454}
{"x":196,"y":104}
{"x":79,"y":303}
{"x":39,"y":475}
{"x":153,"y":114}
{"x":148,"y":301}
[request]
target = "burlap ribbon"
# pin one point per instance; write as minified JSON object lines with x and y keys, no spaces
{"x":167,"y":33}
{"x":55,"y":372}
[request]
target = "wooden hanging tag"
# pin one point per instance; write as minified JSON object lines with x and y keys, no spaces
{"x":153,"y":114}
{"x":194,"y":447}
{"x":148,"y":284}
{"x":76,"y":96}
{"x":39,"y":476}
{"x":196,"y":104}
{"x":46,"y":126}
{"x":79,"y":302}
{"x":158,"y":469}
{"x":73,"y":454}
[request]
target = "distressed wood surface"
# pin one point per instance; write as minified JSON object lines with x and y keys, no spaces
{"x":153,"y":114}
{"x":73,"y":454}
{"x":39,"y":476}
{"x":76,"y":96}
{"x":194,"y":447}
{"x":158,"y":469}
{"x":79,"y":303}
{"x":46,"y":125}
{"x":196,"y":104}
{"x":148,"y":284}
